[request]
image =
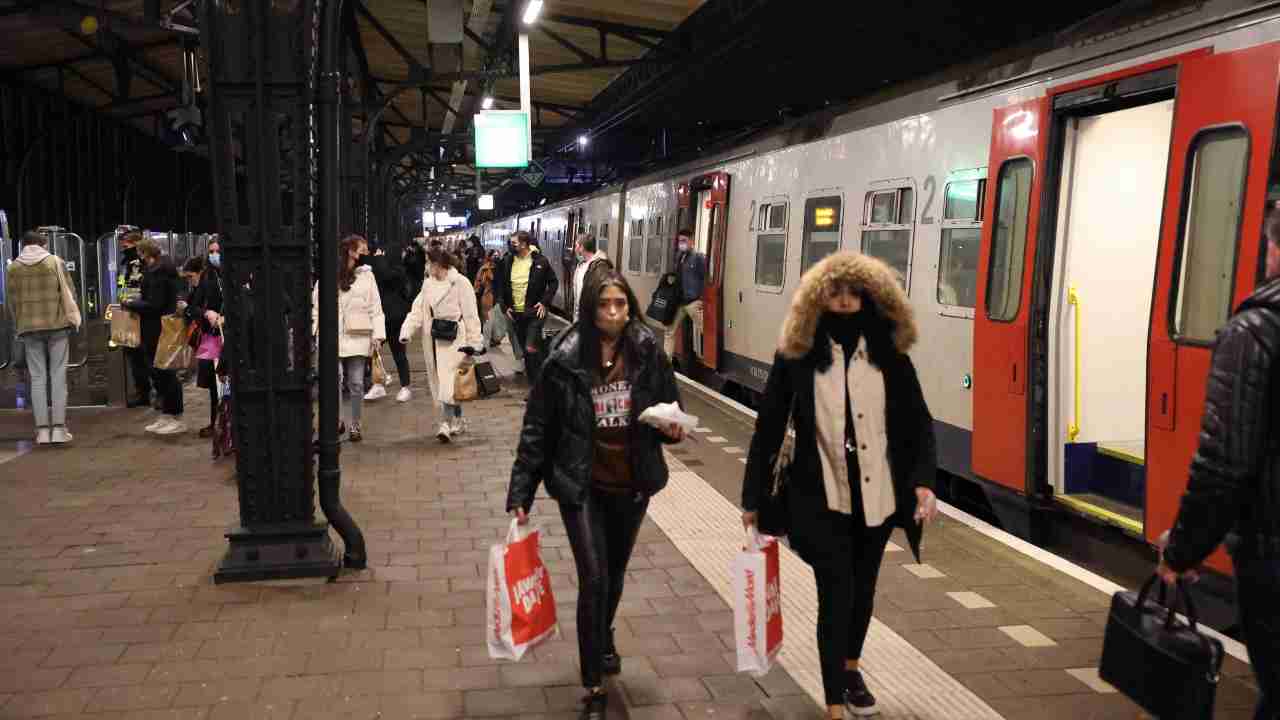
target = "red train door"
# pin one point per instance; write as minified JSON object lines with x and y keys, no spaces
{"x":703,"y":210}
{"x":1223,"y":142}
{"x":1019,"y":137}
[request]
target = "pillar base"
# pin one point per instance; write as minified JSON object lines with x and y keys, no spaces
{"x":279,"y":552}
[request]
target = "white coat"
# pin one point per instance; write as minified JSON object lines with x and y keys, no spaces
{"x":450,"y":299}
{"x":362,"y":298}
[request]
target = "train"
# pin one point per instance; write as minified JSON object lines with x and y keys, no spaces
{"x":1071,"y":233}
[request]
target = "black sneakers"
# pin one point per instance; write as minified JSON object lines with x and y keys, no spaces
{"x":858,"y":700}
{"x":611,"y":661}
{"x":594,"y":706}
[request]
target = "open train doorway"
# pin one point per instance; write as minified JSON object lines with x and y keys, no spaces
{"x":1111,"y":186}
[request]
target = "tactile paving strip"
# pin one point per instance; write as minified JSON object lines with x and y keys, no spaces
{"x":706,"y":528}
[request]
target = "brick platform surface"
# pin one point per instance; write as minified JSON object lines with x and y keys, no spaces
{"x":107,"y":608}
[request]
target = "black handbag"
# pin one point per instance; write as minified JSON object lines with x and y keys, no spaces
{"x":665,"y":300}
{"x":487,"y":380}
{"x":773,"y":517}
{"x":1167,"y":667}
{"x":443,"y":330}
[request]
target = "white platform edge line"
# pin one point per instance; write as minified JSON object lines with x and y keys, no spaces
{"x":910,"y":685}
{"x":1234,"y":648}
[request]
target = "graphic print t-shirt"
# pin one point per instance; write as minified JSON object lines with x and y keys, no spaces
{"x":612,"y":399}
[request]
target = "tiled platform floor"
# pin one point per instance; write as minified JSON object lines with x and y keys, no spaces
{"x":107,"y":609}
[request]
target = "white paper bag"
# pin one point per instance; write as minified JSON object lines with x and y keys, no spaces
{"x":757,"y":604}
{"x":521,"y":610}
{"x":664,"y":414}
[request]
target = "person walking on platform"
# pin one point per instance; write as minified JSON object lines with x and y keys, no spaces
{"x":589,"y":260}
{"x":1234,"y":489}
{"x":415,"y":267}
{"x":393,"y":289}
{"x":445,"y":311}
{"x":160,"y":289}
{"x":205,"y":309}
{"x":44,"y":311}
{"x":361,"y":324}
{"x":528,"y":289}
{"x":485,"y":299}
{"x":473,"y":257}
{"x":865,"y":455}
{"x":582,"y":437}
{"x":128,"y":287}
{"x":500,"y":324}
{"x":691,"y":273}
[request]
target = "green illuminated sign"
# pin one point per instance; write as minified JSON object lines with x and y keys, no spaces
{"x":502,"y":139}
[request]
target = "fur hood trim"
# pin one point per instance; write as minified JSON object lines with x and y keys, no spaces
{"x":871,"y":276}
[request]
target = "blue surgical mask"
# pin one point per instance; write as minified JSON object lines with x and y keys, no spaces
{"x":215,"y":259}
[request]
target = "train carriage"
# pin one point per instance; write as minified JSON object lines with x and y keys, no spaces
{"x":1071,"y":239}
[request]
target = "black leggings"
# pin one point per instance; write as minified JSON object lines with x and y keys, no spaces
{"x":602,"y":532}
{"x":846,"y":596}
{"x":401,"y":358}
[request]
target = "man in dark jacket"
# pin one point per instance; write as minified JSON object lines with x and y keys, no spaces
{"x":128,"y":286}
{"x":393,"y":289}
{"x":159,"y":297}
{"x":1234,"y":489}
{"x":528,"y":287}
{"x":691,"y":273}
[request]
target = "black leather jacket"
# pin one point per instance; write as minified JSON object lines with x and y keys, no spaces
{"x":556,"y":441}
{"x":1235,"y":475}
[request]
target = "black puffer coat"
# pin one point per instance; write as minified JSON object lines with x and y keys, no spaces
{"x":1235,"y":475}
{"x":556,"y":442}
{"x":159,"y":297}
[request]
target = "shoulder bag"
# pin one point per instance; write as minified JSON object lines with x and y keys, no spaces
{"x":359,"y":322}
{"x":443,"y":330}
{"x":773,"y":517}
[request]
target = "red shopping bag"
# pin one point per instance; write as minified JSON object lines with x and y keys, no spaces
{"x":757,"y":604}
{"x":521,"y":609}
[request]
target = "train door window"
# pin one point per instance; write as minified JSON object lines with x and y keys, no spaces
{"x":961,"y":237}
{"x":653,"y":253}
{"x":771,"y":246}
{"x":1009,"y":240}
{"x":888,"y":219}
{"x":602,"y":240}
{"x":821,"y":229}
{"x":1214,"y":199}
{"x":635,"y":247}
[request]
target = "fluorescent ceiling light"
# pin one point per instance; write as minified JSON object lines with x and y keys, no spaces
{"x":531,"y":11}
{"x":487,"y":102}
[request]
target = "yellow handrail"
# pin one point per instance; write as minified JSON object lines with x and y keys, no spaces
{"x":1073,"y":299}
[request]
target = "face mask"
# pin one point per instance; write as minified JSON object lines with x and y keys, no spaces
{"x":215,"y":259}
{"x":362,"y":260}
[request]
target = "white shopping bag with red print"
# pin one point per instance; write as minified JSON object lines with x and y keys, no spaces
{"x":757,"y":603}
{"x":521,"y":609}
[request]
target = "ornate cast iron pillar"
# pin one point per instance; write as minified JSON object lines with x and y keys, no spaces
{"x":262,"y":60}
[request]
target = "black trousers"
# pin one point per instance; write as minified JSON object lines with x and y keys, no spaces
{"x":401,"y":357}
{"x":1258,"y":592}
{"x":602,"y":532}
{"x":846,"y":596}
{"x":170,"y":390}
{"x":140,"y":366}
{"x":529,"y":334}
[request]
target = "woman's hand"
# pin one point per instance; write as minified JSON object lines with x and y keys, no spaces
{"x":522,"y":517}
{"x":212,"y":317}
{"x":926,"y":505}
{"x":674,"y":431}
{"x":748,"y":519}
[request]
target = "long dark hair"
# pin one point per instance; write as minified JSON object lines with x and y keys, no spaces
{"x":346,"y":275}
{"x":589,"y":345}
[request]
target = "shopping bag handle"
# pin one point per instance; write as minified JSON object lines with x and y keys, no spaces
{"x":756,"y":541}
{"x":517,"y":532}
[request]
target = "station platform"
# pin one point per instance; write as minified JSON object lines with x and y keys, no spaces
{"x":108,"y":610}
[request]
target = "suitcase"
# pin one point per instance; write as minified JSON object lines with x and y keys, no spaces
{"x":1167,"y":667}
{"x":487,"y":379}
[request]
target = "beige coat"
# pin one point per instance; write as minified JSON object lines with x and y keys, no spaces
{"x":451,"y":299}
{"x":362,"y":299}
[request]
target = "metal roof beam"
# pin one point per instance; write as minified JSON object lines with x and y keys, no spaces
{"x":567,"y":44}
{"x":89,"y":81}
{"x":414,"y":63}
{"x":616,"y":28}
{"x":142,"y":66}
{"x":86,"y":57}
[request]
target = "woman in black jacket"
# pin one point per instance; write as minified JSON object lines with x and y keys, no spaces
{"x":865,"y":457}
{"x":205,"y":308}
{"x":159,"y":297}
{"x":393,"y":288}
{"x":582,"y":436}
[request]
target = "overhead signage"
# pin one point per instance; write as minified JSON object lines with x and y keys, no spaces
{"x":502,"y":139}
{"x":485,"y":202}
{"x":533,"y":174}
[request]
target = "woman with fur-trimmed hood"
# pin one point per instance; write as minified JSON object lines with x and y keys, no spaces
{"x":865,"y":458}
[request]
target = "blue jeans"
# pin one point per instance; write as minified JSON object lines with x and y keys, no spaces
{"x":47,"y":363}
{"x":452,"y":412}
{"x":1258,"y":593}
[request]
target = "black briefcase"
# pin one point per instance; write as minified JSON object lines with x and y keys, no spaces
{"x":487,"y":380}
{"x":1167,"y":667}
{"x":665,"y":300}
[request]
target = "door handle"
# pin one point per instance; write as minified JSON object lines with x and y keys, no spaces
{"x":1164,"y":403}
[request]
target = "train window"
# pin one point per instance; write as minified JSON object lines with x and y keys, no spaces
{"x":635,"y":247}
{"x":1211,"y":210}
{"x":961,"y":237}
{"x":821,"y":229}
{"x":654,"y":252}
{"x":886,"y":229}
{"x":1009,"y":240}
{"x":771,"y":246}
{"x":602,"y":240}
